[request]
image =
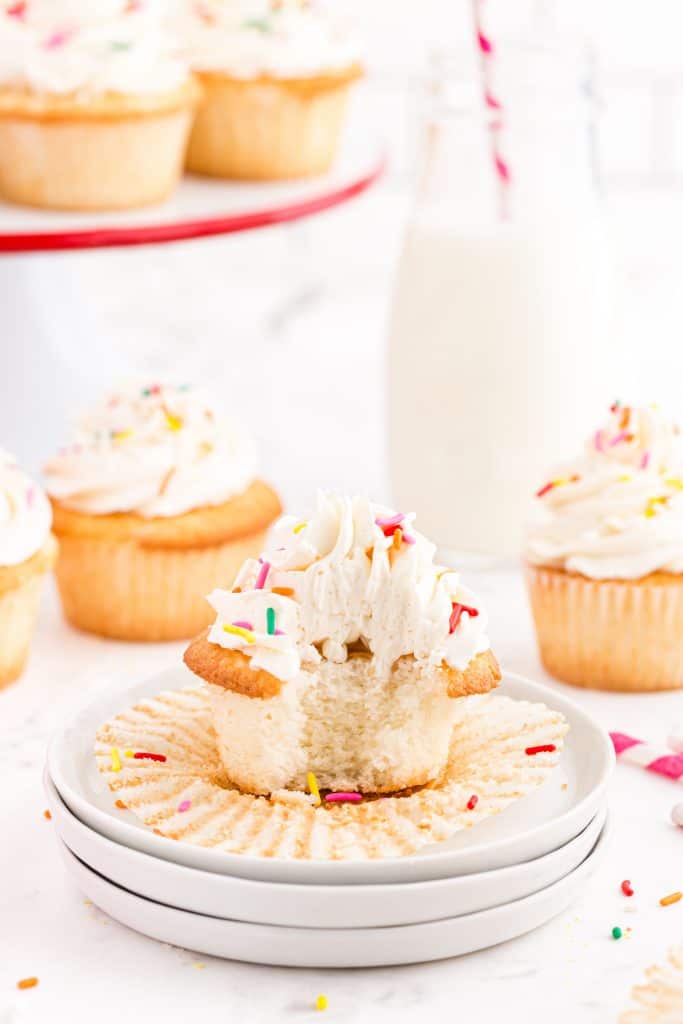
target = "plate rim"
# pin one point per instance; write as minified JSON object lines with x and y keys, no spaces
{"x":230,"y":863}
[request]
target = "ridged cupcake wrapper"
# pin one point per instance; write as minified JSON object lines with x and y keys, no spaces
{"x":660,"y":999}
{"x":488,"y":760}
{"x":609,"y":634}
{"x":264,"y":130}
{"x":18,"y":614}
{"x":92,"y":164}
{"x":123,"y":590}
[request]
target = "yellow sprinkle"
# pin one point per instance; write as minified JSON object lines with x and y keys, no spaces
{"x":651,"y":507}
{"x":561,"y":482}
{"x":115,"y":760}
{"x":121,"y":435}
{"x":675,"y":482}
{"x":321,"y":1003}
{"x":129,"y":753}
{"x":239,"y":631}
{"x":624,"y":479}
{"x":299,"y":527}
{"x":313,"y":788}
{"x":200,"y":966}
{"x":173,"y":422}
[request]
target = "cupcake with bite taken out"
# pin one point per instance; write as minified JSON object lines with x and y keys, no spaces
{"x":605,"y":558}
{"x":27,"y":553}
{"x":95,"y":104}
{"x":156,"y":502}
{"x":275,"y":78}
{"x":340,"y":655}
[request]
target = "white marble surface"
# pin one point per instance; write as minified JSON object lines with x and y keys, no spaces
{"x":91,"y":968}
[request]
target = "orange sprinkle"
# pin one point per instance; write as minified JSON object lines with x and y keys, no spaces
{"x":27,"y":983}
{"x":398,"y":538}
{"x":120,"y":803}
{"x":282,"y":591}
{"x":237,"y":590}
{"x":47,"y":815}
{"x":673,"y":897}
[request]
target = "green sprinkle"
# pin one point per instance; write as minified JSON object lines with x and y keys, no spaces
{"x":260,"y":24}
{"x":120,"y":47}
{"x":616,"y":932}
{"x":270,"y":621}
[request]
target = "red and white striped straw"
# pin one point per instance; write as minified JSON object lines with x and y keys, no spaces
{"x":493,"y":104}
{"x":646,"y":755}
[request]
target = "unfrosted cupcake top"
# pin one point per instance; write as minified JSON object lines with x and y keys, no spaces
{"x":88,"y":46}
{"x":617,"y":511}
{"x":353,"y":575}
{"x":25,"y":514}
{"x":248,"y":38}
{"x":157,"y":450}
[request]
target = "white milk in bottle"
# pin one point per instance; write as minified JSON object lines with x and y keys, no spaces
{"x":500,"y":341}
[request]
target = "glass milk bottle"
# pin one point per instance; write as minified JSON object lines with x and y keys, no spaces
{"x":501,"y":353}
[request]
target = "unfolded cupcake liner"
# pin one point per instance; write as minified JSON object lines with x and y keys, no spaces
{"x":188,"y":798}
{"x":660,"y":999}
{"x":609,"y":634}
{"x":265,"y":129}
{"x":124,"y":590}
{"x":90,"y":164}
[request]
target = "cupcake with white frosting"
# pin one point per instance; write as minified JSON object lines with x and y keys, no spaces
{"x":275,"y":78}
{"x":605,"y":558}
{"x":27,"y":553}
{"x":95,"y":104}
{"x":340,"y":654}
{"x":156,"y":502}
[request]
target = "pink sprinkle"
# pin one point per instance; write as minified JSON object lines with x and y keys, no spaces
{"x":599,"y":441}
{"x":58,"y":39}
{"x":262,"y":576}
{"x":30,"y":496}
{"x":645,"y":461}
{"x":618,"y":439}
{"x":502,"y":168}
{"x":485,"y":44}
{"x":243,"y":624}
{"x":492,"y":102}
{"x":622,"y":742}
{"x":407,"y":539}
{"x":386,"y":521}
{"x":669,"y":764}
{"x":344,"y":798}
{"x":278,"y":632}
{"x":184,"y":806}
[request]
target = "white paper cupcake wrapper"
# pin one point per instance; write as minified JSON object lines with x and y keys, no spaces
{"x":660,"y":999}
{"x":487,"y":760}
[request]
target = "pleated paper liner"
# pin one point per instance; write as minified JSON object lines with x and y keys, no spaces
{"x":188,"y":797}
{"x":660,"y":999}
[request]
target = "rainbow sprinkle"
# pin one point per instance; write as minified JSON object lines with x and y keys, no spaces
{"x":652,"y":505}
{"x":121,"y":435}
{"x":246,"y":634}
{"x":457,"y":611}
{"x":560,"y":482}
{"x":343,"y":798}
{"x":184,"y":806}
{"x":299,"y":527}
{"x":173,"y":422}
{"x":645,"y":461}
{"x":321,"y":1003}
{"x":243,"y":624}
{"x":115,"y":760}
{"x":313,"y":789}
{"x":270,"y":621}
{"x":262,"y":576}
{"x":390,"y":522}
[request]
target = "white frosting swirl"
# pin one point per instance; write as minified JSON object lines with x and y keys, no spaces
{"x":248,"y":38}
{"x":25,"y":514}
{"x":93,"y":47}
{"x":155,"y":450}
{"x":342,"y":578}
{"x":617,"y":512}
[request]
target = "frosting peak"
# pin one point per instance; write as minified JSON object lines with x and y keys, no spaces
{"x":616,"y":512}
{"x":25,"y":514}
{"x":89,"y":46}
{"x":157,"y":450}
{"x":353,"y":576}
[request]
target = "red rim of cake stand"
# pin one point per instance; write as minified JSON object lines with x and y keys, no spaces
{"x":186,"y":229}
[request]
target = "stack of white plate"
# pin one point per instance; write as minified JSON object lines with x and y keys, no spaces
{"x":502,"y":878}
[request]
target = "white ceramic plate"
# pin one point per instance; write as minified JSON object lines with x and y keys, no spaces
{"x":540,"y":822}
{"x":314,"y":906}
{"x":332,"y":947}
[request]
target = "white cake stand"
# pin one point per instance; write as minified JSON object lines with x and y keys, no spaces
{"x":52,"y":347}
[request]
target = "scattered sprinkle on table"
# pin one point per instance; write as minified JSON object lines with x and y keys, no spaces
{"x":627,"y":888}
{"x":673,"y":897}
{"x":344,"y":798}
{"x":115,"y":760}
{"x":542,"y":748}
{"x":472,"y":802}
{"x":321,"y":1003}
{"x":27,"y":983}
{"x":47,"y":815}
{"x":616,"y":932}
